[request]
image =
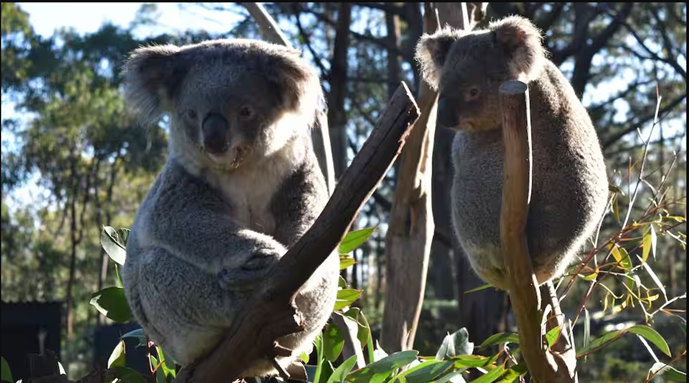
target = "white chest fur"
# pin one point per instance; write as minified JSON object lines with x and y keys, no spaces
{"x":250,"y":190}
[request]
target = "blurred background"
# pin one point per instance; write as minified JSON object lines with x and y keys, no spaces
{"x":73,"y":160}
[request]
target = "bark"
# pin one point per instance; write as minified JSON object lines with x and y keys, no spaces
{"x":559,"y":364}
{"x":337,"y":79}
{"x":411,"y":227}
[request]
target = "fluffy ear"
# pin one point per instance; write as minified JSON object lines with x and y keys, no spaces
{"x":298,"y":81}
{"x":521,"y":40}
{"x":431,"y":52}
{"x":152,"y":75}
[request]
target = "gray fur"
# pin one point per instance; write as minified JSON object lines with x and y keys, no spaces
{"x":212,"y":225}
{"x":569,"y":181}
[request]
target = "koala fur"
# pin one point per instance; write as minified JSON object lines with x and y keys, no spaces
{"x":240,"y":186}
{"x":569,"y":180}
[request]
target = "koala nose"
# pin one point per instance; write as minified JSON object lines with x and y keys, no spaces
{"x":447,"y":113}
{"x":215,"y":133}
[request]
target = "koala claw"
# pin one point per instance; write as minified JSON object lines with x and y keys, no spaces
{"x":279,"y":350}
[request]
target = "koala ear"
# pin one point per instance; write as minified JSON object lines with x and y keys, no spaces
{"x":152,"y":75}
{"x":431,"y":52}
{"x":298,"y":82}
{"x":521,"y":41}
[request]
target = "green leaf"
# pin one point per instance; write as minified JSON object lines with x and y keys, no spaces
{"x":117,"y":356}
{"x":304,"y":357}
{"x":341,"y":283}
{"x":599,"y":343}
{"x":590,"y":277}
{"x":118,"y":277}
{"x":455,"y":344}
{"x":345,"y":262}
{"x":157,"y":367}
{"x":453,"y":377}
{"x":483,"y":287}
{"x":363,"y":331}
{"x":491,"y":376}
{"x":468,"y":361}
{"x":646,"y":247}
{"x":616,"y":209}
{"x":383,"y":366}
{"x":552,"y":335}
{"x":668,"y":372}
{"x":513,"y":373}
{"x":622,"y":257}
{"x":426,"y":371}
{"x":499,"y":339}
{"x":333,"y":340}
{"x":111,"y":245}
{"x":137,"y":334}
{"x":341,"y":372}
{"x":318,"y":342}
{"x":111,"y":302}
{"x":354,"y":239}
{"x":346,"y":297}
{"x":168,"y":365}
{"x":127,"y":375}
{"x":651,"y":335}
{"x":6,"y":374}
{"x":327,"y":371}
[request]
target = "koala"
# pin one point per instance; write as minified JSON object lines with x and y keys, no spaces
{"x":569,"y":179}
{"x":241,"y":185}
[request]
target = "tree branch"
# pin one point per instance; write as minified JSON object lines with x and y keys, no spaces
{"x":633,"y":125}
{"x":525,"y":296}
{"x":269,"y":315}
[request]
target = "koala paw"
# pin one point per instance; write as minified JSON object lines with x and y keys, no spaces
{"x":250,"y":274}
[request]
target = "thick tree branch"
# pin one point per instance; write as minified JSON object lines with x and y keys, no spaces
{"x":269,"y":315}
{"x":544,"y":366}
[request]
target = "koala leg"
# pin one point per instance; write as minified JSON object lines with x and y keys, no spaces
{"x":185,"y":307}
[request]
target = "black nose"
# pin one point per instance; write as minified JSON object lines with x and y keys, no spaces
{"x":215,"y":133}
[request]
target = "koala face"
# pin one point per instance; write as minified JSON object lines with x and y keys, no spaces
{"x":467,"y":69}
{"x":230,"y":102}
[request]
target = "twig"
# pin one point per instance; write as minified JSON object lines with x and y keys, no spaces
{"x":270,"y":314}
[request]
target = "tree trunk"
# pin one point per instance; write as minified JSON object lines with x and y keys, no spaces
{"x":411,"y":227}
{"x":337,"y":119}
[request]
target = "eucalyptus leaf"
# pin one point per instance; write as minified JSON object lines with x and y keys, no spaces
{"x":6,"y":373}
{"x":333,"y":341}
{"x":651,"y":335}
{"x":341,"y":372}
{"x":112,"y":246}
{"x":455,"y":344}
{"x":111,"y":302}
{"x":354,"y":239}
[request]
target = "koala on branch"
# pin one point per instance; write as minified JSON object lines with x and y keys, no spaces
{"x":240,"y":186}
{"x":569,"y":180}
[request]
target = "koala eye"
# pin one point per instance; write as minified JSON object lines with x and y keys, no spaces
{"x":473,"y":92}
{"x":245,"y":112}
{"x":191,"y":113}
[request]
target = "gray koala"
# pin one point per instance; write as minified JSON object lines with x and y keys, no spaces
{"x":240,"y":186}
{"x":569,"y":180}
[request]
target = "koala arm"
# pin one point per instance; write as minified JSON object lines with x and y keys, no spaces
{"x":298,"y":203}
{"x":191,"y":222}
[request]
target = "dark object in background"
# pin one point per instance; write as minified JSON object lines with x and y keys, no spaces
{"x":106,"y":338}
{"x":28,"y":328}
